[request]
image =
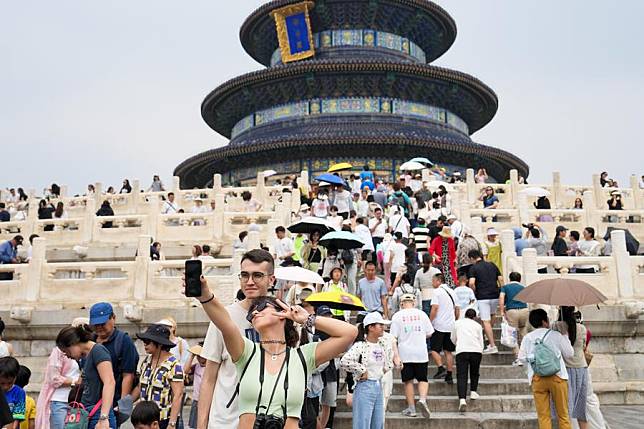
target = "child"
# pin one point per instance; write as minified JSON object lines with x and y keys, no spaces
{"x":24,"y":374}
{"x":14,"y":395}
{"x":465,"y":297}
{"x":196,"y":370}
{"x":145,"y":415}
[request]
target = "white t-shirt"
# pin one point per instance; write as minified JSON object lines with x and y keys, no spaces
{"x":320,"y":208}
{"x":214,"y":349}
{"x":362,"y":208}
{"x":468,"y":336}
{"x":375,"y":361}
{"x":398,"y":252}
{"x":343,"y":201}
{"x":362,"y":231}
{"x":412,"y":327}
{"x":379,"y":230}
{"x":444,"y":320}
{"x":169,"y":208}
{"x":335,"y":221}
{"x":399,"y":223}
{"x":283,"y":247}
{"x":61,"y":394}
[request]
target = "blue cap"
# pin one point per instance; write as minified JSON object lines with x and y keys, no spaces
{"x":100,"y":313}
{"x":323,"y":310}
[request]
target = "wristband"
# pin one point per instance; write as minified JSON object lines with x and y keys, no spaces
{"x":310,"y":322}
{"x":208,"y":300}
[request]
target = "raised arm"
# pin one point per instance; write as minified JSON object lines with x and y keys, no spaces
{"x":218,"y":314}
{"x":341,"y":333}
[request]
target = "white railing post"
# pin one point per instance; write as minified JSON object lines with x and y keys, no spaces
{"x":622,"y":259}
{"x":98,"y":193}
{"x":253,"y":240}
{"x":152,"y":218}
{"x":514,"y":187}
{"x":63,"y":191}
{"x":524,"y":209}
{"x":216,"y":183}
{"x":36,"y":270}
{"x":589,"y":209}
{"x":89,"y":221}
{"x":260,"y":189}
{"x":304,"y":181}
{"x":133,"y":198}
{"x":598,"y":192}
{"x":219,"y":217}
{"x":471,"y":185}
{"x":556,"y":197}
{"x":529,"y":257}
{"x":636,"y":191}
{"x":141,"y":280}
{"x":507,"y":244}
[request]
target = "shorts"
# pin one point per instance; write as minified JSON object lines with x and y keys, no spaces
{"x":442,"y":341}
{"x":487,"y":308}
{"x":330,"y":394}
{"x":414,"y":371}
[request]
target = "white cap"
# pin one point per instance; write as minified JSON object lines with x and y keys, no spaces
{"x":492,"y":231}
{"x":450,"y":217}
{"x":374,"y":317}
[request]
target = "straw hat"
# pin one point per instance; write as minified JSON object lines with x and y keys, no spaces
{"x":446,"y":232}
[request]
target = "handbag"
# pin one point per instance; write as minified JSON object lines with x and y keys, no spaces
{"x":508,"y":335}
{"x":77,"y":416}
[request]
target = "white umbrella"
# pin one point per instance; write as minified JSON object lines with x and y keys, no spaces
{"x":422,"y":160}
{"x":412,"y":166}
{"x":298,"y":274}
{"x":268,"y":173}
{"x":535,"y":191}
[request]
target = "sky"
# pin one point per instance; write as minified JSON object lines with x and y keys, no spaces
{"x":101,"y":91}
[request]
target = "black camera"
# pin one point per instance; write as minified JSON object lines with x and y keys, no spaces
{"x":262,"y":421}
{"x":528,"y":225}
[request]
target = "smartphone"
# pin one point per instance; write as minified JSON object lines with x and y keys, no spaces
{"x":193,"y":277}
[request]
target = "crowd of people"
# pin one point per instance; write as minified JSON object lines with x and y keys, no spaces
{"x":429,"y":289}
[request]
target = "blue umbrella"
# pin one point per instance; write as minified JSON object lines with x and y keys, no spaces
{"x":341,"y":240}
{"x":369,"y":184}
{"x":331,"y":178}
{"x":422,"y":160}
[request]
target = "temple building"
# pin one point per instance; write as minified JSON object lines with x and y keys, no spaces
{"x":368,"y":96}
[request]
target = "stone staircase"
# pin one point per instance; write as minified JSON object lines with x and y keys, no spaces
{"x":505,"y":402}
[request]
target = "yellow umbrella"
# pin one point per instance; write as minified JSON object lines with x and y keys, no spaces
{"x":339,"y":167}
{"x":336,"y":300}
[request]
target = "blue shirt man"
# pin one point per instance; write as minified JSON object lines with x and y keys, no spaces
{"x":124,"y":356}
{"x":372,"y":290}
{"x":9,"y":250}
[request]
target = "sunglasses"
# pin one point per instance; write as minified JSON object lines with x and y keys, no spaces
{"x":257,"y":309}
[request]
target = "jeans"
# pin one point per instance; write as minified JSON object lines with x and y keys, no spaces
{"x":368,"y":410}
{"x":352,"y":272}
{"x":467,"y":362}
{"x":58,"y":412}
{"x":94,"y":419}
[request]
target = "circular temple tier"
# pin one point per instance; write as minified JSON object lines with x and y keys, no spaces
{"x":367,"y":97}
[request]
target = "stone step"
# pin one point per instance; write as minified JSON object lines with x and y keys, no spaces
{"x":486,"y":387}
{"x":488,"y":404}
{"x":468,"y":420}
{"x":486,"y":371}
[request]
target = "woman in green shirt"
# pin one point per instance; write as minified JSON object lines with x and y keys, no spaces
{"x":273,"y":373}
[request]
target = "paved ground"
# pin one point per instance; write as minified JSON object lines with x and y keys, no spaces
{"x":624,"y":416}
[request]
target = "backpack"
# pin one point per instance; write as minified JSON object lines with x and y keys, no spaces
{"x":398,"y":200}
{"x":347,"y":257}
{"x":545,"y":361}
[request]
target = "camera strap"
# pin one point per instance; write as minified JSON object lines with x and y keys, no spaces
{"x":279,"y":374}
{"x":242,"y":376}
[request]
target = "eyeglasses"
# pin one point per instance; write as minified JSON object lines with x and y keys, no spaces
{"x":257,"y":308}
{"x":256,"y":276}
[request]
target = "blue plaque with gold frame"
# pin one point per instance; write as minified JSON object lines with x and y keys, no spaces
{"x":294,"y":33}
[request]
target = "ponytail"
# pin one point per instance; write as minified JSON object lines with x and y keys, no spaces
{"x":73,"y":335}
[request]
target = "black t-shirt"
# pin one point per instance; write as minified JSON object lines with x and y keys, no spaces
{"x":486,"y":275}
{"x":559,"y":247}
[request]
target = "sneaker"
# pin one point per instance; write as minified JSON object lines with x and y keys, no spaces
{"x":517,"y":362}
{"x":449,"y":379}
{"x":474,"y":396}
{"x":462,"y":406}
{"x":490,"y":350}
{"x":440,"y":373}
{"x":424,"y":409}
{"x":408,"y":412}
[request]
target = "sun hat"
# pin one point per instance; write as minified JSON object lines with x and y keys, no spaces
{"x":450,"y":217}
{"x":100,"y":313}
{"x":374,"y":317}
{"x":492,"y":231}
{"x":196,"y":350}
{"x":157,"y":333}
{"x":407,"y":297}
{"x":446,"y":232}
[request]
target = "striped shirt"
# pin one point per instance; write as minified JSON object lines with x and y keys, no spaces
{"x":421,"y":234}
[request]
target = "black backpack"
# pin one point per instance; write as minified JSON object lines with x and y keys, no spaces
{"x":347,"y":257}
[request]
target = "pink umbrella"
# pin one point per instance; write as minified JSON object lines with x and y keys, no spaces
{"x":561,"y":291}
